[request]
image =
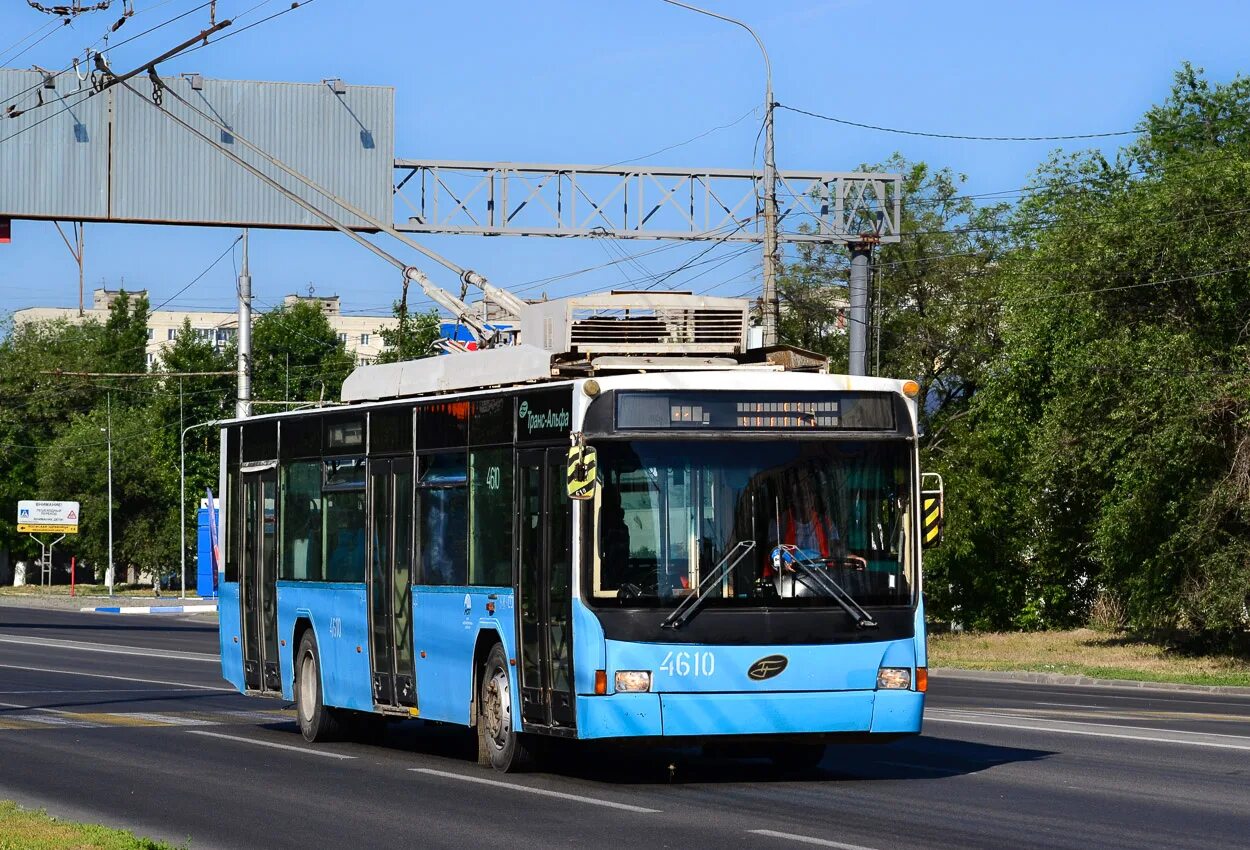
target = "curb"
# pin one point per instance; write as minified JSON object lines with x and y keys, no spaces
{"x":154,"y":609}
{"x":1082,"y":681}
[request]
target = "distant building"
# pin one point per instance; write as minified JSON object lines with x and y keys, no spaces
{"x":359,"y":334}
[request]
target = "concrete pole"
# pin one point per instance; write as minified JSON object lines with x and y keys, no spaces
{"x":858,"y":317}
{"x":243,"y":406}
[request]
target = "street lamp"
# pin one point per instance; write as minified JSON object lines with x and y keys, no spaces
{"x":182,"y":474}
{"x":771,"y":306}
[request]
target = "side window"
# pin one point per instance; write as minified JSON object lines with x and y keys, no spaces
{"x":442,"y":516}
{"x":301,"y":522}
{"x":345,"y":535}
{"x":490,"y":517}
{"x":343,"y":529}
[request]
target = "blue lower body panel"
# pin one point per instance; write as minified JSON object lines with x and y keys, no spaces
{"x":339,"y":619}
{"x":766,"y":714}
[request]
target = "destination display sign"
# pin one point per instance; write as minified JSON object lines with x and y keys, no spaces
{"x":39,"y":517}
{"x":755,"y":411}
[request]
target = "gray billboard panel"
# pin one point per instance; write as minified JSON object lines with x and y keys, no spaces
{"x":54,"y":156}
{"x":144,"y":167}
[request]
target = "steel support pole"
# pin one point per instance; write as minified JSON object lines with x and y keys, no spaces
{"x":243,"y":406}
{"x":858,"y":316}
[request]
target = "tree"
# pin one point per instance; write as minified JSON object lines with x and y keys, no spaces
{"x":412,"y":336}
{"x":35,"y":404}
{"x":1108,"y":445}
{"x":187,"y":401}
{"x":74,"y":465}
{"x":297,"y":356}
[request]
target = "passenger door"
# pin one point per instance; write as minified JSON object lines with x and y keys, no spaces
{"x":545,"y":549}
{"x":390,"y":581}
{"x":258,"y":575}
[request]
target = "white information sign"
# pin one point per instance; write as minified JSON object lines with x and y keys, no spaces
{"x":36,"y":517}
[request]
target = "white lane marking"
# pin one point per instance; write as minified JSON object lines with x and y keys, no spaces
{"x":1072,"y":705}
{"x":118,"y":678}
{"x":512,"y":786}
{"x":89,"y":691}
{"x":305,"y":750}
{"x":1099,"y":730}
{"x":807,"y":839}
{"x":111,"y":648}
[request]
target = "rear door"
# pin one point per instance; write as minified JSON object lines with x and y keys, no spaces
{"x":258,"y":575}
{"x":390,"y":581}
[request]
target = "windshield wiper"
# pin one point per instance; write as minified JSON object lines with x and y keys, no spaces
{"x":690,"y":605}
{"x":831,"y":588}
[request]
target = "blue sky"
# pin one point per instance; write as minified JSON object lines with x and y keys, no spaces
{"x":601,"y":82}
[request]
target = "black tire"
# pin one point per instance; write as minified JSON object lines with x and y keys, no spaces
{"x":797,"y":756}
{"x":498,"y":743}
{"x":317,"y":722}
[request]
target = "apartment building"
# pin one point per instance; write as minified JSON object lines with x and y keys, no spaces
{"x":359,"y":334}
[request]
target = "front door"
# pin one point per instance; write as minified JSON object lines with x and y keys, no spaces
{"x":390,"y":581}
{"x":258,"y":577}
{"x":545,"y":545}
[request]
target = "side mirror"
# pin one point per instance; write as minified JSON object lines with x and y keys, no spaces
{"x":583,"y":469}
{"x":932,"y":509}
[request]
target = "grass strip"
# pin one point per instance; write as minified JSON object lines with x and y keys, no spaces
{"x":1084,"y":652}
{"x":25,"y":829}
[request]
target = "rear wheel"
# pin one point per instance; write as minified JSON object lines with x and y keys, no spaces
{"x":498,"y":743}
{"x":317,"y":722}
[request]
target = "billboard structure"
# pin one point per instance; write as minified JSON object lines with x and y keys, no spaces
{"x":36,"y":517}
{"x":73,"y":154}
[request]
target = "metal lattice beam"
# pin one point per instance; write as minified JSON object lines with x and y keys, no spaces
{"x":525,"y":199}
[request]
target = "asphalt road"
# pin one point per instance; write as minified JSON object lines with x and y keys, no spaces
{"x":124,"y":720}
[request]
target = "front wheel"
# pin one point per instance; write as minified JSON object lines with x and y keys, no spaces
{"x":498,"y":743}
{"x":317,"y":722}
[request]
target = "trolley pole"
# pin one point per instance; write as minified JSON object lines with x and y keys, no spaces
{"x":243,"y":406}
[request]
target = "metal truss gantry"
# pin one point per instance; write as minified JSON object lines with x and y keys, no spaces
{"x":526,"y":199}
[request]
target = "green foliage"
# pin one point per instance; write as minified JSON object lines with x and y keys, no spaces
{"x":75,"y":465}
{"x":412,"y":336}
{"x":297,"y":356}
{"x":1106,"y":452}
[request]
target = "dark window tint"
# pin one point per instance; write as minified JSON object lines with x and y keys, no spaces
{"x":260,"y":441}
{"x":390,"y":431}
{"x":443,"y":425}
{"x":442,"y":511}
{"x":234,"y":521}
{"x":490,"y":517}
{"x":301,"y":437}
{"x":301,"y":522}
{"x":491,"y":421}
{"x":345,"y":536}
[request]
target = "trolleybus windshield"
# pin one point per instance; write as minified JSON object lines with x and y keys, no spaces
{"x":669,"y":512}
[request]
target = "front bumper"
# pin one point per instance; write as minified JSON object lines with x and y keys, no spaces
{"x":699,"y":715}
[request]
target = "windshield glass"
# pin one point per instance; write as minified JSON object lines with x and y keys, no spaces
{"x":669,"y":512}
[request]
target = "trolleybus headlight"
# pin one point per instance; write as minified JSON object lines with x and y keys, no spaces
{"x":633,"y":681}
{"x":893,"y":678}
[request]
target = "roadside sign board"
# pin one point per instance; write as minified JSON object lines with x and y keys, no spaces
{"x":37,"y":517}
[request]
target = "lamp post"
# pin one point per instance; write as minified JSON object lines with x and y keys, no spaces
{"x":771,"y":307}
{"x":182,"y":475}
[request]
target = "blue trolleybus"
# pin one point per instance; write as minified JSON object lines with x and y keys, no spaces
{"x":720,"y":550}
